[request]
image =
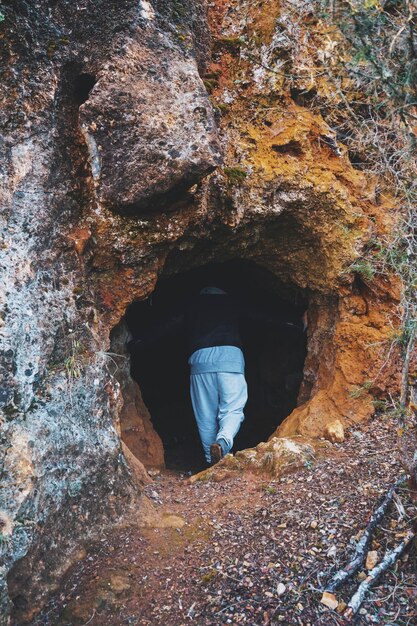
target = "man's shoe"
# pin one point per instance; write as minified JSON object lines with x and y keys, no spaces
{"x":216,"y":453}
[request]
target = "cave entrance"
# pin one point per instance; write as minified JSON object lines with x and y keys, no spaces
{"x":274,"y":357}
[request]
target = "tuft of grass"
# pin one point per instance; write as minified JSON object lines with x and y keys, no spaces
{"x":210,"y":84}
{"x":221,"y":106}
{"x":380,"y":405}
{"x":235,"y":175}
{"x":71,"y":363}
{"x":359,"y":391}
{"x":364,"y":268}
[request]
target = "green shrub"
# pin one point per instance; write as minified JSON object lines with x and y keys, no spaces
{"x":235,"y":175}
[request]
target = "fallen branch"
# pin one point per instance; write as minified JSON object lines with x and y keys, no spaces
{"x":390,"y":558}
{"x":363,"y":544}
{"x":406,"y":367}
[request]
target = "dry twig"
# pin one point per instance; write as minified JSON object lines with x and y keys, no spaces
{"x":390,"y":558}
{"x":362,"y":546}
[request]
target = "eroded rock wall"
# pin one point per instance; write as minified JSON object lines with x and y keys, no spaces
{"x":134,"y":424}
{"x":64,"y":476}
{"x":160,"y":159}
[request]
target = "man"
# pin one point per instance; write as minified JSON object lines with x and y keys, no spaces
{"x":217,"y":380}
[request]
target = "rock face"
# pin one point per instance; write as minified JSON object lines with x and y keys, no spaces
{"x":148,"y":124}
{"x":109,"y":138}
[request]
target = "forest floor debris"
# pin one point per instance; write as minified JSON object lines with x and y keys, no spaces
{"x":256,"y":551}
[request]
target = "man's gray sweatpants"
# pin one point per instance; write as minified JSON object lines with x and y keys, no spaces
{"x":218,"y":400}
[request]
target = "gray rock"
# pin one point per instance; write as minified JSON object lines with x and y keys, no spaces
{"x":149,"y":126}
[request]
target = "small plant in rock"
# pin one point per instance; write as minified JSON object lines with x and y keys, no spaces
{"x":235,"y":175}
{"x":359,"y":391}
{"x":401,"y":336}
{"x":211,"y":80}
{"x":222,"y":107}
{"x":110,"y":360}
{"x":72,"y":363}
{"x":74,"y":488}
{"x":210,"y":84}
{"x":364,"y":268}
{"x":380,"y":405}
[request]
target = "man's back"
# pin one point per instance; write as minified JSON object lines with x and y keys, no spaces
{"x":213,"y":320}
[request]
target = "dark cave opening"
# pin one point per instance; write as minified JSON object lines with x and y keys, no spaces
{"x":83,"y":84}
{"x":274,"y":356}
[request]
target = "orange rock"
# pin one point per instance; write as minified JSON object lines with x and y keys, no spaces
{"x":334,"y":432}
{"x":80,"y":238}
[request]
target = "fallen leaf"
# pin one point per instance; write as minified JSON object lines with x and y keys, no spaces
{"x":371,"y":559}
{"x":329,"y":600}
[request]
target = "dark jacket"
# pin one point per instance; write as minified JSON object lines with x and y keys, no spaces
{"x":210,"y":320}
{"x":213,"y":320}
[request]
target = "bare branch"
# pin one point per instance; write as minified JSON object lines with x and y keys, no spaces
{"x":389,"y":558}
{"x":362,"y":546}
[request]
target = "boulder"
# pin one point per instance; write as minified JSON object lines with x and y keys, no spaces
{"x":275,"y":457}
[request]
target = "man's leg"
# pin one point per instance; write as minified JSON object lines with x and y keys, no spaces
{"x":205,"y":401}
{"x":233,"y":397}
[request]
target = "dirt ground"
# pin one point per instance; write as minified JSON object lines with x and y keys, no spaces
{"x":250,"y":550}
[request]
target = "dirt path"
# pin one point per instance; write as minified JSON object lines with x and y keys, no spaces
{"x":248,"y":550}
